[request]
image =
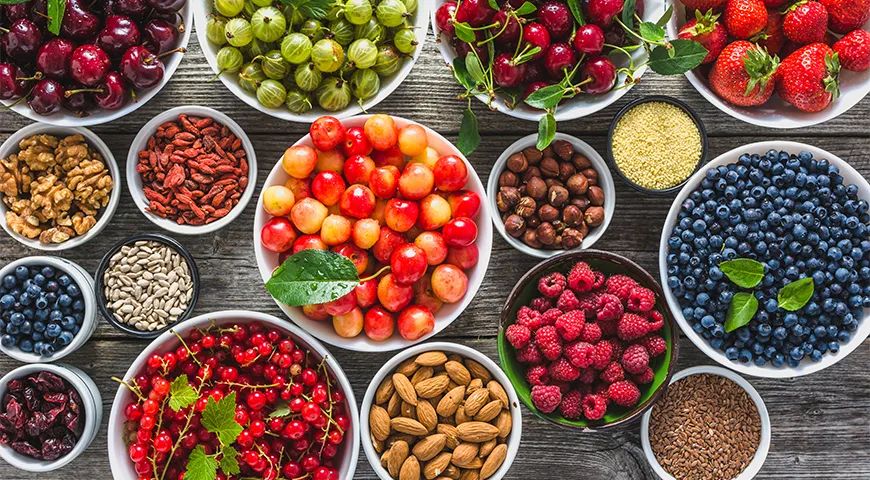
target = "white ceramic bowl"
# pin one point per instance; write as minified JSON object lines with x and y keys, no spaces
{"x":776,"y":113}
{"x":513,"y":440}
{"x":104,"y":216}
{"x":267,"y":260}
{"x":134,"y":181}
{"x":99,"y":116}
{"x":850,"y":175}
{"x":93,"y":412}
{"x":119,"y":461}
{"x":764,"y":444}
{"x":89,"y":323}
{"x":577,"y":107}
{"x":420,"y":20}
{"x":605,"y":181}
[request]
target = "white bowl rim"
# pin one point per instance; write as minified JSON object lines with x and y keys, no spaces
{"x":605,"y":181}
{"x":86,"y":284}
{"x":93,"y":410}
{"x":361,"y":343}
{"x":201,"y":13}
{"x":768,"y":371}
{"x":448,"y":347}
{"x":134,"y":181}
{"x":65,"y":118}
{"x":764,"y":443}
{"x":104,"y":215}
{"x":116,"y":415}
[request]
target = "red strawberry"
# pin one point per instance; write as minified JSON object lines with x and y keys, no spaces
{"x":808,"y":77}
{"x":706,"y":30}
{"x":743,"y":74}
{"x":847,"y":15}
{"x":702,"y":5}
{"x":745,"y":18}
{"x":774,"y":4}
{"x":806,"y":22}
{"x":772,"y":37}
{"x":854,"y":50}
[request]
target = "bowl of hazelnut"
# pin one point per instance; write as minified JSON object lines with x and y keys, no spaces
{"x":552,"y":200}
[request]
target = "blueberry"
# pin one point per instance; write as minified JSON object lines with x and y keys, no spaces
{"x":64,"y":300}
{"x":41,"y":303}
{"x":73,"y":291}
{"x":765,"y":329}
{"x":22,"y":272}
{"x":745,"y":356}
{"x":52,"y":330}
{"x":65,"y":338}
{"x":7,"y":340}
{"x":16,"y":318}
{"x":844,"y":336}
{"x":26,"y":327}
{"x":796,"y":353}
{"x":26,"y":346}
{"x":7,"y":301}
{"x":731,"y":353}
{"x":833,"y":347}
{"x":68,"y":323}
{"x":708,"y":321}
{"x":78,"y":305}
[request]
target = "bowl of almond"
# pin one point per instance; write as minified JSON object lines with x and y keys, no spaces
{"x":441,"y":410}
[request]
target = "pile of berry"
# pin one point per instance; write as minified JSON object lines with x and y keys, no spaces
{"x":587,"y":342}
{"x":795,"y":215}
{"x":291,"y":418}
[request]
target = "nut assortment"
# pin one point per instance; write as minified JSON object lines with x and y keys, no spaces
{"x":54,"y":188}
{"x":440,"y":416}
{"x":550,"y":199}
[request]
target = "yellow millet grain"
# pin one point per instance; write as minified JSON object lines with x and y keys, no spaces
{"x":656,"y":145}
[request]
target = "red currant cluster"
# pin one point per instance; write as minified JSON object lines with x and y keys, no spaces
{"x":293,"y":414}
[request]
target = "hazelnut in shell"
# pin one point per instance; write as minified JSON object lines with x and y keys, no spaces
{"x":596,"y":196}
{"x":533,"y":155}
{"x":517,"y":163}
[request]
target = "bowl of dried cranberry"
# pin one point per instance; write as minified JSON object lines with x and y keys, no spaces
{"x":252,"y":385}
{"x":587,"y":340}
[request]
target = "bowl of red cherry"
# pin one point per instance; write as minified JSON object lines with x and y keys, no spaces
{"x":243,"y":395}
{"x":101,"y":61}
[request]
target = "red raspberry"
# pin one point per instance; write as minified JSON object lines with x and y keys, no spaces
{"x":584,"y":388}
{"x":518,"y":335}
{"x":530,"y":355}
{"x":600,"y":389}
{"x":632,"y":326}
{"x":601,"y":357}
{"x":541,"y":304}
{"x":624,"y":393}
{"x":620,"y":285}
{"x":580,"y":354}
{"x":599,"y":280}
{"x":635,"y":359}
{"x":567,"y":301}
{"x":608,"y":329}
{"x":587,"y":376}
{"x":570,"y":325}
{"x":612,"y":373}
{"x":581,"y":278}
{"x":644,"y":377}
{"x":562,"y":371}
{"x":588,"y":303}
{"x":552,"y":285}
{"x":618,"y":348}
{"x":609,"y":307}
{"x":548,"y":341}
{"x":546,"y":397}
{"x":594,"y":406}
{"x":655,"y":319}
{"x":529,"y":318}
{"x":655,"y":345}
{"x":550,"y":316}
{"x":538,"y":375}
{"x":570,"y":407}
{"x":641,"y":299}
{"x":591,"y":333}
{"x":564,"y":387}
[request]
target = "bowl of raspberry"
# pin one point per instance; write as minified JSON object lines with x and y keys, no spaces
{"x":587,"y":340}
{"x":765,"y":260}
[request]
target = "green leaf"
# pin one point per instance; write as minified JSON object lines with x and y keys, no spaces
{"x":547,"y":97}
{"x":651,"y":32}
{"x":527,"y":8}
{"x":181,"y":394}
{"x":494,"y":5}
{"x":200,"y":466}
{"x":741,"y":310}
{"x":460,"y":73}
{"x":474,"y":68}
{"x":666,"y":17}
{"x":744,"y":272}
{"x":686,"y":55}
{"x":312,"y":277}
{"x":464,"y":32}
{"x":546,"y":131}
{"x":56,"y":9}
{"x":574,"y":5}
{"x":219,"y":418}
{"x":281,"y":410}
{"x":12,"y":2}
{"x":469,"y":137}
{"x":229,"y":464}
{"x":795,"y":295}
{"x":317,"y":9}
{"x":628,"y":13}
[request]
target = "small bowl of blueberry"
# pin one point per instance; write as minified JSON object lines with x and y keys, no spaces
{"x":47,"y":308}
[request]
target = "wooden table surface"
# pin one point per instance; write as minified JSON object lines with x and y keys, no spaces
{"x":821,"y":423}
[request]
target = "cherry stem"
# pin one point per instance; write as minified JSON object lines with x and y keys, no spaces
{"x":156,"y":57}
{"x":70,"y":93}
{"x":4,"y":30}
{"x":36,"y":76}
{"x":376,"y":274}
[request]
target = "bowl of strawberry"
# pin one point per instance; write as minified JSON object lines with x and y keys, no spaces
{"x":234,"y":394}
{"x":587,"y":340}
{"x":776,"y":63}
{"x":372,"y":233}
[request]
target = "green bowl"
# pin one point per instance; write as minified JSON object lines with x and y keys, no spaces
{"x":609,"y":264}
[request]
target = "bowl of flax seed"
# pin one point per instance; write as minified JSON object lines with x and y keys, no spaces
{"x":710,"y":424}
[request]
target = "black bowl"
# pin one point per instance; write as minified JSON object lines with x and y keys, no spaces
{"x":100,"y":288}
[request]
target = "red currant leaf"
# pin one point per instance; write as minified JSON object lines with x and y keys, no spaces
{"x":229,"y":464}
{"x":219,"y":418}
{"x":181,"y":394}
{"x":281,"y":410}
{"x":201,"y":466}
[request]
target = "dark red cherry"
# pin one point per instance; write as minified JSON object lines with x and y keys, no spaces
{"x":556,"y":17}
{"x":532,"y":88}
{"x":39,"y":12}
{"x":78,"y":22}
{"x":535,"y":35}
{"x":130,"y":8}
{"x":16,"y":11}
{"x":119,"y":34}
{"x":89,"y":64}
{"x":506,"y":73}
{"x":600,"y":73}
{"x":511,"y":32}
{"x":22,"y":40}
{"x":78,"y":99}
{"x":589,"y":39}
{"x":141,"y":68}
{"x":11,"y":85}
{"x":615,"y":35}
{"x":535,"y":72}
{"x":444,"y":18}
{"x":602,"y":12}
{"x":463,"y":48}
{"x":167,"y":5}
{"x":46,"y":97}
{"x":160,"y":36}
{"x":53,"y":58}
{"x":114,"y":92}
{"x":474,"y":12}
{"x":559,"y":57}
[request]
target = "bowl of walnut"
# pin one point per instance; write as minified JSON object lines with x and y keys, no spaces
{"x":58,"y":186}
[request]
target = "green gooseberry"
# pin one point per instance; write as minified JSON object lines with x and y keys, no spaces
{"x":371,"y":30}
{"x":313,"y":28}
{"x":229,"y":8}
{"x":327,"y":55}
{"x":296,"y":48}
{"x":215,"y":30}
{"x":268,"y":24}
{"x":387,"y":62}
{"x":274,"y":65}
{"x":342,"y":31}
{"x":391,"y":13}
{"x":238,"y":32}
{"x":229,"y":59}
{"x":410,"y":5}
{"x":365,"y":83}
{"x":250,"y":76}
{"x":363,"y":53}
{"x":347,"y":68}
{"x":333,"y":94}
{"x":293,"y":16}
{"x":335,"y":12}
{"x":405,"y":40}
{"x":258,"y":47}
{"x":307,"y":77}
{"x":358,"y":12}
{"x":298,"y":102}
{"x":262,"y":3}
{"x":249,"y":9}
{"x":271,"y":93}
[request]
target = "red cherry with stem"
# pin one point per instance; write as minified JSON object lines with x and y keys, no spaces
{"x":130,"y":8}
{"x":119,"y":34}
{"x":142,"y":68}
{"x":559,"y":58}
{"x":113,"y":92}
{"x":53,"y":58}
{"x":444,"y":18}
{"x":89,"y":64}
{"x":463,"y":48}
{"x":22,"y":40}
{"x":506,"y":73}
{"x":600,"y":75}
{"x":507,"y":27}
{"x":556,"y":17}
{"x":532,"y":88}
{"x":79,"y":23}
{"x":46,"y":97}
{"x":603,"y":12}
{"x":160,"y":36}
{"x":474,"y":12}
{"x":12,"y":84}
{"x":78,"y":98}
{"x":536,"y":35}
{"x":589,"y":39}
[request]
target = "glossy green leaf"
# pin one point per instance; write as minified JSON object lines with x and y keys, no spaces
{"x":628,"y":13}
{"x":577,"y":11}
{"x":546,"y":131}
{"x":464,"y":32}
{"x":547,"y":97}
{"x":683,"y":56}
{"x":312,"y":277}
{"x":795,"y":295}
{"x":666,"y":17}
{"x":527,"y":8}
{"x":469,"y":137}
{"x":741,"y":310}
{"x":651,"y":32}
{"x":474,"y":68}
{"x":460,"y":73}
{"x":56,"y":9}
{"x":743,"y":272}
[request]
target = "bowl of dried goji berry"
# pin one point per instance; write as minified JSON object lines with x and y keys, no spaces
{"x":191,"y":170}
{"x":587,"y":340}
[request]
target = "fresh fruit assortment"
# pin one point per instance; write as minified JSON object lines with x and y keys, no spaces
{"x":98,"y":55}
{"x":440,"y":415}
{"x":770,"y":260}
{"x":381,"y":197}
{"x":237,"y":401}
{"x":589,"y":342}
{"x":307,"y":54}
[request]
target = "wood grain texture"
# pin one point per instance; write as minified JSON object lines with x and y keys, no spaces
{"x":821,"y":423}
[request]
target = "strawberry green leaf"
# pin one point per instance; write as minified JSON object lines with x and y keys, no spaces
{"x":469,"y":137}
{"x":795,"y":295}
{"x":200,"y":466}
{"x":219,"y":418}
{"x":741,"y":310}
{"x":683,"y":56}
{"x":312,"y":277}
{"x":546,"y":131}
{"x":181,"y":394}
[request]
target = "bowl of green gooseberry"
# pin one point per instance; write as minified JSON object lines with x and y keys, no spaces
{"x":300,"y":63}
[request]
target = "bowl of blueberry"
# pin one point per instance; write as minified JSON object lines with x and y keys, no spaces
{"x":765,"y":259}
{"x":47,"y":308}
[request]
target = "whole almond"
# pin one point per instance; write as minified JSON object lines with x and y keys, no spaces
{"x":487,"y":447}
{"x":427,"y":448}
{"x":493,"y":461}
{"x":477,"y":370}
{"x":398,"y":454}
{"x":461,"y":417}
{"x":408,"y":410}
{"x":489,"y":411}
{"x":408,"y":367}
{"x":385,"y":459}
{"x":410,"y":469}
{"x":476,"y":432}
{"x":470,"y":475}
{"x":379,"y":422}
{"x":399,"y":437}
{"x":451,"y":472}
{"x":409,"y":426}
{"x":432,"y":387}
{"x":455,"y":357}
{"x":475,"y":463}
{"x":457,"y":372}
{"x":450,"y":402}
{"x":426,"y":415}
{"x":450,"y":432}
{"x":474,"y":384}
{"x":378,"y":444}
{"x":504,"y":422}
{"x":394,"y":406}
{"x":464,"y":453}
{"x":437,"y":465}
{"x":475,"y":401}
{"x":404,"y":388}
{"x":497,"y":391}
{"x":424,"y":373}
{"x":431,"y":359}
{"x":385,"y":391}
